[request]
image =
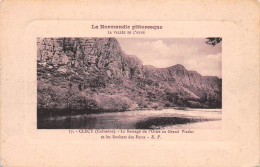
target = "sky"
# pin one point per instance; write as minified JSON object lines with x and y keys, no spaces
{"x":193,"y":53}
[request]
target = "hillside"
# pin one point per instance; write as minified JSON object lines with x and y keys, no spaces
{"x":94,"y":74}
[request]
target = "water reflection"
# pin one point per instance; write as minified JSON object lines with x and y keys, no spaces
{"x":129,"y":120}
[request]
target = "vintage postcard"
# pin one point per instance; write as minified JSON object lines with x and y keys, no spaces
{"x":97,"y":84}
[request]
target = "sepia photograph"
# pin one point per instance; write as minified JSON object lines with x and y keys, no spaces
{"x":129,"y":83}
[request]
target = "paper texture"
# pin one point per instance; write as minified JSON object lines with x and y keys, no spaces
{"x":234,"y":141}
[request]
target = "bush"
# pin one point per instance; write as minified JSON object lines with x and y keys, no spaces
{"x":194,"y":104}
{"x":114,"y":103}
{"x":167,"y":104}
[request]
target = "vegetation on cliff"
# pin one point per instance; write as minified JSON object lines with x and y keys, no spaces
{"x":94,"y":75}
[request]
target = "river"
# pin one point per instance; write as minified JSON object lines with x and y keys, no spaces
{"x":143,"y":119}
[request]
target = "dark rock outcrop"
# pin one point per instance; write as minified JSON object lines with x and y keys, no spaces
{"x":79,"y":73}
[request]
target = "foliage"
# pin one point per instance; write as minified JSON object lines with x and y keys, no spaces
{"x":213,"y":41}
{"x":113,"y":103}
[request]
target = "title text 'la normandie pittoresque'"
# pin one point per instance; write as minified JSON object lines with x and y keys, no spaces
{"x":127,"y":27}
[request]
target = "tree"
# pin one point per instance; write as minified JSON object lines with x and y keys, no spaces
{"x":213,"y":41}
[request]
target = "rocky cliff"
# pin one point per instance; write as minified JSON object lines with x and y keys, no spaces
{"x":95,"y":74}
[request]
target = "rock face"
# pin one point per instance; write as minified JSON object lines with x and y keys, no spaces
{"x":79,"y":73}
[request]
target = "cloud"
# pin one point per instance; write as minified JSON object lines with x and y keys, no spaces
{"x":194,"y":55}
{"x":209,"y":65}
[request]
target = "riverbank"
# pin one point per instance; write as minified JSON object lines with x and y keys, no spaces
{"x":43,"y":112}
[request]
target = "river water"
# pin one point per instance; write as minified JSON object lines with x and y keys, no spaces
{"x":143,"y":119}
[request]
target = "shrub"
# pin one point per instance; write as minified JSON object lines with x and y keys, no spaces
{"x":167,"y":104}
{"x":114,"y":103}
